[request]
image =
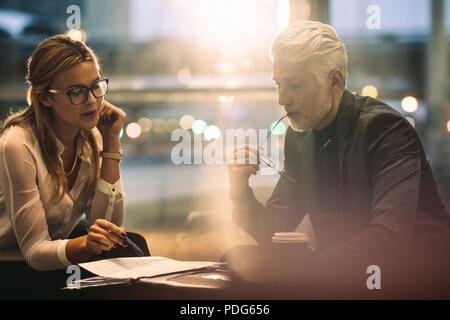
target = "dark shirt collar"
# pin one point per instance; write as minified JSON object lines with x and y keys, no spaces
{"x":330,"y":130}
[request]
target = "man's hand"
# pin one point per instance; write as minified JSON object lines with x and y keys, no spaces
{"x":242,"y":163}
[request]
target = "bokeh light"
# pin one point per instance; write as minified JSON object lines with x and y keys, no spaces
{"x":77,"y":34}
{"x":145,"y":123}
{"x":369,"y":91}
{"x":225,"y":66}
{"x":199,"y":126}
{"x":171,"y":125}
{"x":159,"y":125}
{"x":133,"y":130}
{"x":226,"y":99}
{"x":279,"y":130}
{"x":410,"y":104}
{"x":212,"y":132}
{"x":186,"y":122}
{"x":184,"y":75}
{"x":448,"y":126}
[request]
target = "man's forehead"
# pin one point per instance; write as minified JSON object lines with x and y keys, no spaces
{"x":282,"y":70}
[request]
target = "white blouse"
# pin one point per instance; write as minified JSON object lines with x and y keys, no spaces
{"x":30,"y":228}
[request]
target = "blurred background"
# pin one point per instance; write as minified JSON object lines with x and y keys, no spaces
{"x":204,"y":66}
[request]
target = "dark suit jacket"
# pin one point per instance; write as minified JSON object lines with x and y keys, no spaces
{"x":389,"y":204}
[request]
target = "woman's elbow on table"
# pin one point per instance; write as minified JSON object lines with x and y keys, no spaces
{"x":38,"y":259}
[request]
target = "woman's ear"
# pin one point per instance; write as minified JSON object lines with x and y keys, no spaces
{"x":46,"y":100}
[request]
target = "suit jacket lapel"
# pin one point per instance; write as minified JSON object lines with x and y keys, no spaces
{"x":308,"y":170}
{"x":345,"y":127}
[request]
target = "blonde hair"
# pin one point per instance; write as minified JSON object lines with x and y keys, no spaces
{"x":311,"y":41}
{"x":52,"y":57}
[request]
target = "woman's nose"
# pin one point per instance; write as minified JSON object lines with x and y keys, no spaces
{"x":91,"y":98}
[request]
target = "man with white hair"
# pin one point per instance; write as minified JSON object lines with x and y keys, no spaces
{"x":361,"y":171}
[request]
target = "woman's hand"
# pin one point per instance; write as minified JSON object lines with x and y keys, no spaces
{"x":104,"y":235}
{"x":110,"y":123}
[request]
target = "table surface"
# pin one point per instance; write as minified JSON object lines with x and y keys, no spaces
{"x":237,"y":289}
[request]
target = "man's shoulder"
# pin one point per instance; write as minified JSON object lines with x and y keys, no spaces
{"x":371,"y":109}
{"x":380,"y":127}
{"x":376,"y":117}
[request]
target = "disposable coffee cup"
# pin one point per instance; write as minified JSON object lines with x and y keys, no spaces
{"x":290,"y":246}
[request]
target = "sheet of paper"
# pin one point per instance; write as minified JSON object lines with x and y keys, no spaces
{"x":136,"y":267}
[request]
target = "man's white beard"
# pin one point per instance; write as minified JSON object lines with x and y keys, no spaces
{"x":300,"y":125}
{"x":307,"y":123}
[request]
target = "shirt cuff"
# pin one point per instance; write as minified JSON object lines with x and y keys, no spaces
{"x":61,"y":252}
{"x":108,"y":188}
{"x":114,"y":193}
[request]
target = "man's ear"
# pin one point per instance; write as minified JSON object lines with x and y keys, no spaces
{"x":336,"y":78}
{"x":46,"y":100}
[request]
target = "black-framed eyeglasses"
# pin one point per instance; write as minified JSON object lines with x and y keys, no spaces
{"x":269,"y":162}
{"x":80,"y":94}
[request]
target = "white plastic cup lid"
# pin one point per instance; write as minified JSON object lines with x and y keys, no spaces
{"x":288,"y":237}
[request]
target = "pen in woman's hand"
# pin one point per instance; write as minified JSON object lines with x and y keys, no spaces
{"x":136,"y":249}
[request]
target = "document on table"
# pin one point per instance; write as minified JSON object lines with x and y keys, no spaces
{"x":137,"y":267}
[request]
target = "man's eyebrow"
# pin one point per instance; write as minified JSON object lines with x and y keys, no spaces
{"x":82,"y":85}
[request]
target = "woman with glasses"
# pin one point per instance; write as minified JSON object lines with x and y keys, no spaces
{"x":59,"y":159}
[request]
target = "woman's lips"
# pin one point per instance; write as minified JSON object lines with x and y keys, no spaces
{"x":90,"y":115}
